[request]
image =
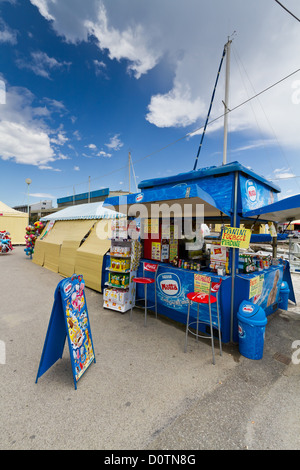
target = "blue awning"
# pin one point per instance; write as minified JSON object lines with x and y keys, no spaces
{"x":266,"y":237}
{"x":190,"y":194}
{"x":285,"y":210}
{"x":215,"y":171}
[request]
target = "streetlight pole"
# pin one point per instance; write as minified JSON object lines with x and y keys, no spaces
{"x":28,"y":182}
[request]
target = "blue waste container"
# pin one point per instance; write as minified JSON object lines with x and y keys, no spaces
{"x":284,"y":296}
{"x":251,"y":329}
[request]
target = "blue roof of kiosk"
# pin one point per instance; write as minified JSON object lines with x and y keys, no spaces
{"x":205,"y":172}
{"x":178,"y":193}
{"x":287,"y":209}
{"x":197,"y":186}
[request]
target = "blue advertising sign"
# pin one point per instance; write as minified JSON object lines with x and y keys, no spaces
{"x":172,"y":287}
{"x":69,"y":318}
{"x":255,"y":194}
{"x":171,"y":292}
{"x":268,"y":295}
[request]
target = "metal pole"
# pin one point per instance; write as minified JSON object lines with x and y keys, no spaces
{"x":89,"y":199}
{"x":136,"y":188}
{"x":274,"y":244}
{"x":129,"y":156}
{"x":145,"y":287}
{"x":28,"y":182}
{"x":211,"y":331}
{"x":226,"y":102}
{"x":187,"y":326}
{"x":233,"y":255}
{"x":28,"y":200}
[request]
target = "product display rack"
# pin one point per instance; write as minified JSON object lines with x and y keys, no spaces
{"x":124,"y":258}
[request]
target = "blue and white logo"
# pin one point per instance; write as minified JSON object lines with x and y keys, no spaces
{"x":251,"y":191}
{"x":139,"y":197}
{"x":169,"y":284}
{"x":241,"y":331}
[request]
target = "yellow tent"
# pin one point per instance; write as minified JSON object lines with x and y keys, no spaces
{"x":14,"y":222}
{"x":56,"y":250}
{"x":75,"y":240}
{"x":89,"y":257}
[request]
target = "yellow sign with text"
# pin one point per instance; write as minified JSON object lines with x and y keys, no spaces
{"x":256,"y":286}
{"x":236,"y":237}
{"x":151,"y":226}
{"x":201,"y":283}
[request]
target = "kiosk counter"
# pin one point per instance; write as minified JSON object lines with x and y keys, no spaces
{"x":172,"y":286}
{"x":230,"y":195}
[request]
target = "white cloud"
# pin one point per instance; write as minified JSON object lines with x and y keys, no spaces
{"x":104,"y":154}
{"x":55,"y":105}
{"x":77,"y":21}
{"x":43,"y":7}
{"x":189,"y":38}
{"x":2,"y":92}
{"x":76,"y":168}
{"x":24,"y":134}
{"x":77,"y":135}
{"x":24,"y":144}
{"x":283,"y":173}
{"x":61,"y":156}
{"x":115,"y":143}
{"x":41,"y":64}
{"x":48,"y":167}
{"x":91,"y":146}
{"x":42,"y":195}
{"x":130,"y":43}
{"x":100,"y":67}
{"x":7,"y":35}
{"x":99,"y":64}
{"x":254,"y":145}
{"x":175,"y":108}
{"x":59,"y":139}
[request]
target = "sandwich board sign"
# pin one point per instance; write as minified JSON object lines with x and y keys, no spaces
{"x":69,"y":318}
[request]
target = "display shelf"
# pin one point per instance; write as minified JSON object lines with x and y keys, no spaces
{"x":120,"y":297}
{"x":117,"y":286}
{"x":118,"y":307}
{"x":121,"y":239}
{"x":120,"y":271}
{"x":119,"y":256}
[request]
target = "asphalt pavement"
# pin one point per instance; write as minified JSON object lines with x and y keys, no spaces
{"x":143,"y":392}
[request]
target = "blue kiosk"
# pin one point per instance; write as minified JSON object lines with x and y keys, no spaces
{"x":230,"y":194}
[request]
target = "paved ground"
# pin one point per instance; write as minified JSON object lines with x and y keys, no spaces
{"x":143,"y":392}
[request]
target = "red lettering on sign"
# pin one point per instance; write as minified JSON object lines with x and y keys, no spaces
{"x":169,"y":287}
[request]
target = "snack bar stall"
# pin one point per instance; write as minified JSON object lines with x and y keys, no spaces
{"x":174,"y":213}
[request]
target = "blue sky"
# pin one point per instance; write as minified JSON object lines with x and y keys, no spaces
{"x":84,"y":83}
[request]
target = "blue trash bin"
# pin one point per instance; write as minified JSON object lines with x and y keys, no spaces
{"x":284,"y":296}
{"x":251,"y":329}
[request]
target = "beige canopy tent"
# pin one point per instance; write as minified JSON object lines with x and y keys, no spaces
{"x":89,"y":256}
{"x":14,"y":222}
{"x":75,"y":240}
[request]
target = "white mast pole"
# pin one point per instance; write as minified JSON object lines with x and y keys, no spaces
{"x":226,"y":102}
{"x":129,"y":158}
